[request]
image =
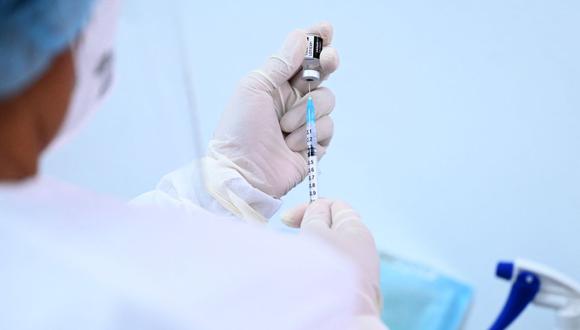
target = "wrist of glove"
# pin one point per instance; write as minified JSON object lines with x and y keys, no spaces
{"x":224,"y":182}
{"x":336,"y":223}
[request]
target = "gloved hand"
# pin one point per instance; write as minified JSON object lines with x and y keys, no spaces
{"x":262,"y":135}
{"x":338,"y":224}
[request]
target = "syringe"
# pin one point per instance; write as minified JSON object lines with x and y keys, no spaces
{"x":311,"y":72}
{"x":311,"y":142}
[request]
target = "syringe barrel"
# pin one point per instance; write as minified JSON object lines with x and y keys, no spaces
{"x":312,"y":159}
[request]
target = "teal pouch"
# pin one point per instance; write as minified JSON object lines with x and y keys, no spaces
{"x":419,"y":298}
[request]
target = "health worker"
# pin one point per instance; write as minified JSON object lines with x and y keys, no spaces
{"x":188,"y":254}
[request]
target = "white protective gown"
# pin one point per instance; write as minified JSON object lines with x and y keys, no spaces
{"x":71,"y":259}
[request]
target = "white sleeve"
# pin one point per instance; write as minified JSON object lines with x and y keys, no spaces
{"x":116,"y":269}
{"x":186,"y":188}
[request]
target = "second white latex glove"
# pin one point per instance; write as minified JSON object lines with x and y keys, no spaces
{"x":338,"y":224}
{"x":262,"y":135}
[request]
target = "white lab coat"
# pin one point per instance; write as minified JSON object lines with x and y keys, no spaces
{"x":71,"y":259}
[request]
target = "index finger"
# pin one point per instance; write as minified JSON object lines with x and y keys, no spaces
{"x":324,"y":30}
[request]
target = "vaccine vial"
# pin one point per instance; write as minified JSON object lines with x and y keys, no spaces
{"x":311,"y":64}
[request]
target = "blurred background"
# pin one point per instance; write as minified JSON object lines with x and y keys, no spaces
{"x":464,"y":116}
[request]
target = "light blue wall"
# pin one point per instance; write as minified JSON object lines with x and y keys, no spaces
{"x":463,"y":118}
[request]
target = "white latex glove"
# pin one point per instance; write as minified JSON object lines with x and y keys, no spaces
{"x":262,"y":134}
{"x":340,"y":225}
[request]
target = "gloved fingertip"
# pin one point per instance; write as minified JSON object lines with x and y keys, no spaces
{"x":329,"y":60}
{"x":324,"y":133}
{"x":325,"y":127}
{"x":324,"y":29}
{"x":317,"y":214}
{"x":324,"y":100}
{"x":289,"y":221}
{"x":321,"y":151}
{"x":293,"y":217}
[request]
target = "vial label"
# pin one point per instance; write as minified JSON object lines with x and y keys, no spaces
{"x":313,"y":47}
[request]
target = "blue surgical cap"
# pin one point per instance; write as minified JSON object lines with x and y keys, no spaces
{"x":32,"y":33}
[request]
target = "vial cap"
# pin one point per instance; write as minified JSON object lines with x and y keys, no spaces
{"x":311,"y":75}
